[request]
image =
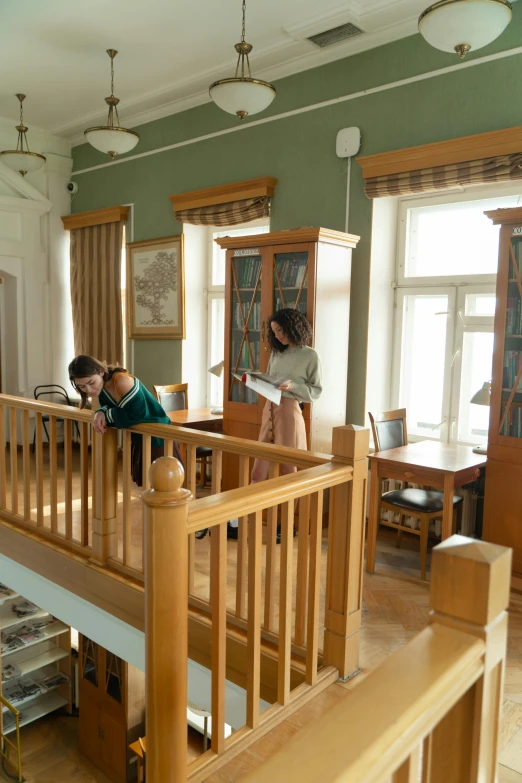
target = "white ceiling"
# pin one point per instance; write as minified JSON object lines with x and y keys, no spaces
{"x":169,"y":51}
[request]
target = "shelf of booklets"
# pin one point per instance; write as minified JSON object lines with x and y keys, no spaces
{"x":46,"y":703}
{"x":35,"y":662}
{"x":8,"y":596}
{"x":49,"y":632}
{"x":8,"y":618}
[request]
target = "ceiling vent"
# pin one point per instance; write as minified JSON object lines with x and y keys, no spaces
{"x":337,"y":34}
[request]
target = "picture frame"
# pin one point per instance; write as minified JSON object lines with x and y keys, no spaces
{"x":156,"y":289}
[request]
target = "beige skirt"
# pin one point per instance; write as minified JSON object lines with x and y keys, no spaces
{"x":283,"y":424}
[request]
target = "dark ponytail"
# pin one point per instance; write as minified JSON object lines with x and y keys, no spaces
{"x":82,"y":366}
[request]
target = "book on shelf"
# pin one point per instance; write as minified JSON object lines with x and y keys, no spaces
{"x":291,"y":272}
{"x":511,"y":369}
{"x":53,"y":681}
{"x":21,"y":691}
{"x":25,"y":609}
{"x":241,"y":311}
{"x":263,"y":384}
{"x":247,"y":270}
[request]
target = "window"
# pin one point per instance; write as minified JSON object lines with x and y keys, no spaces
{"x":216,"y":301}
{"x":445,"y":306}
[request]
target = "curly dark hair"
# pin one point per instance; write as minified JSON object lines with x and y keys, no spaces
{"x":83,"y":366}
{"x":294,"y":325}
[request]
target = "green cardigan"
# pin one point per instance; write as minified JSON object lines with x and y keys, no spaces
{"x":138,"y":406}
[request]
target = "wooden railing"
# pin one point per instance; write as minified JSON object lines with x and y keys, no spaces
{"x":431,"y":712}
{"x":290,"y":623}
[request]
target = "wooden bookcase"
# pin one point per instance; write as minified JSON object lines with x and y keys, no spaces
{"x":307,"y":268}
{"x":503,"y":495}
{"x":30,"y":662}
{"x":112,"y":709}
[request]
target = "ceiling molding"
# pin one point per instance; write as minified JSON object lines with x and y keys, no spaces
{"x":96,"y":217}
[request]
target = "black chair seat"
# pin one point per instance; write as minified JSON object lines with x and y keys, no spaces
{"x":425,"y":500}
{"x":203,"y":451}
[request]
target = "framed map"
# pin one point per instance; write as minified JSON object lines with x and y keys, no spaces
{"x":155,"y":289}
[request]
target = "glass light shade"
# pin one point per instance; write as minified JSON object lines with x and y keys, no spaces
{"x":483,"y":396}
{"x":470,"y":23}
{"x":242,"y":96}
{"x":22,"y":161}
{"x":112,"y":140}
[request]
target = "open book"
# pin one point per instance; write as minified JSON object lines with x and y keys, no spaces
{"x":263,"y":384}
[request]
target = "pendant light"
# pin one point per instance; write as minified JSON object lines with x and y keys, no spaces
{"x":464,"y":25}
{"x":111,"y":138}
{"x":22,"y":159}
{"x":242,"y":95}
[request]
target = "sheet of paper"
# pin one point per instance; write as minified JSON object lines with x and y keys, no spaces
{"x":261,"y":387}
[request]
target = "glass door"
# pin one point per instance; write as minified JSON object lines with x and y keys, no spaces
{"x":89,"y":663}
{"x":290,"y":280}
{"x":245,"y":321}
{"x":511,"y":400}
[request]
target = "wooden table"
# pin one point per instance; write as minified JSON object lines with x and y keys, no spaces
{"x":135,"y":747}
{"x":429,"y":463}
{"x":197,"y":419}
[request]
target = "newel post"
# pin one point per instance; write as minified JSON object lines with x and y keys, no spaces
{"x":470,"y":584}
{"x":347,"y":519}
{"x":165,"y":563}
{"x":104,"y":495}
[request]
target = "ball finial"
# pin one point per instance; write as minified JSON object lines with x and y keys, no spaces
{"x":166,"y":474}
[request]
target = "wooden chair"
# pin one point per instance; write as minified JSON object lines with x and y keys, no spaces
{"x":57,"y":394}
{"x":174,"y":397}
{"x":389,"y":432}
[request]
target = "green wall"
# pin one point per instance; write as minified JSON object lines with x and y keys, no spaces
{"x":300,"y":151}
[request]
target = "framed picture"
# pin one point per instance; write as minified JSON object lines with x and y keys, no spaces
{"x":156,"y":289}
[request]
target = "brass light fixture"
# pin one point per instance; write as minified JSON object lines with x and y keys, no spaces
{"x":242,"y":95}
{"x":464,"y":25}
{"x":22,"y":159}
{"x":112,"y":138}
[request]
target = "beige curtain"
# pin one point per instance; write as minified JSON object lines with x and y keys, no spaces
{"x":499,"y":169}
{"x":96,"y":291}
{"x":230,"y":214}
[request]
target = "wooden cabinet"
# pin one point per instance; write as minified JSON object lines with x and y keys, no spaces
{"x":307,"y":268}
{"x":112,"y":709}
{"x":503,"y":495}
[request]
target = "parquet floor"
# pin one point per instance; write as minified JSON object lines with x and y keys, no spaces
{"x":395,"y":609}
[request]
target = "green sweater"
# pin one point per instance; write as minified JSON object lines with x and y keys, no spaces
{"x":138,"y":406}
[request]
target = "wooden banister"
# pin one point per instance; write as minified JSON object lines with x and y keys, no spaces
{"x":436,"y":702}
{"x":166,"y":621}
{"x":346,"y":552}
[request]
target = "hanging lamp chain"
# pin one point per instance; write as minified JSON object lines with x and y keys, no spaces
{"x":22,"y":129}
{"x":112,"y":101}
{"x":243,"y":49}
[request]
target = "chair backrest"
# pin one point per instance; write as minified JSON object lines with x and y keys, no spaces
{"x":54,"y":393}
{"x":389,"y":429}
{"x":173,"y":397}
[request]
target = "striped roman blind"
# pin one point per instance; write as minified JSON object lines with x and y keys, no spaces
{"x":229,"y":214}
{"x":495,"y":169}
{"x":96,"y":291}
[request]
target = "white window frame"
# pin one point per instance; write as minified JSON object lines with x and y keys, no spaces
{"x":456,"y":287}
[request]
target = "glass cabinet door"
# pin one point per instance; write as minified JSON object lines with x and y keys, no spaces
{"x":511,"y":405}
{"x":89,"y":661}
{"x":290,"y":282}
{"x":245,"y":319}
{"x":113,"y":676}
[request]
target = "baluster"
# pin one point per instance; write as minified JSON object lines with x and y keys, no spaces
{"x":302,"y":570}
{"x":126,"y":487}
{"x":241,"y":565}
{"x":27,"y":466}
{"x":191,"y":484}
{"x":39,"y":471}
{"x":285,"y":603}
{"x":3,"y":479}
{"x":408,"y":772}
{"x":145,"y":460}
{"x":271,"y":557}
{"x":67,"y":470}
{"x":13,"y":450}
{"x":218,"y":602}
{"x":314,"y":586}
{"x":53,"y":473}
{"x":166,"y":621}
{"x":84,"y":483}
{"x":217,"y":471}
{"x":255,"y":556}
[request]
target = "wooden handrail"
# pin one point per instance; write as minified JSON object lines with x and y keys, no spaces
{"x":216,"y":509}
{"x":437,"y":700}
